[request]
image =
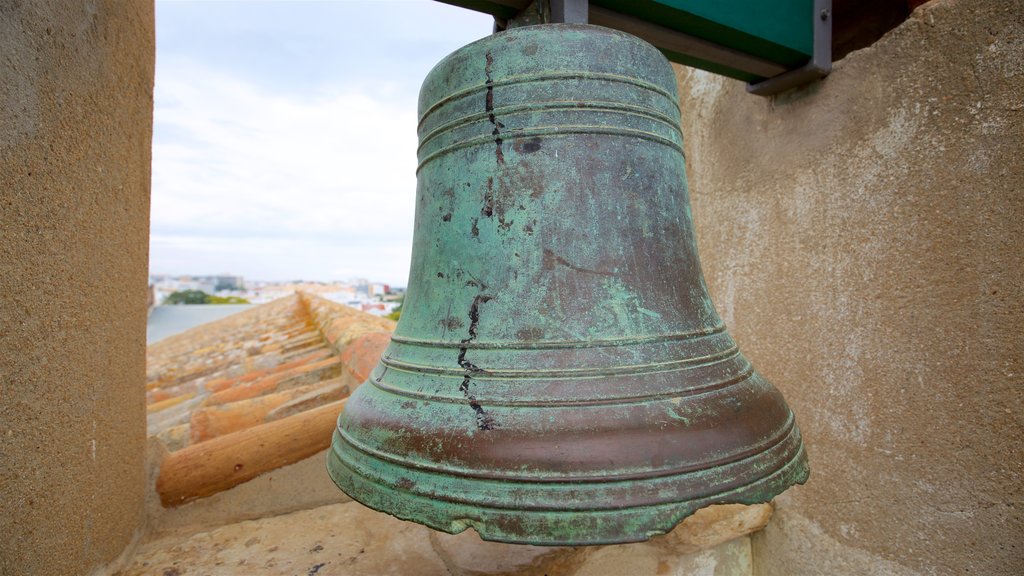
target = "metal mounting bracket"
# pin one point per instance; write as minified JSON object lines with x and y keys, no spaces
{"x":569,"y":11}
{"x":818,"y":67}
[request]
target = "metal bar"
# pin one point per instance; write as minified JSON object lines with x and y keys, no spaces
{"x":675,"y":41}
{"x":820,"y":64}
{"x":569,"y":11}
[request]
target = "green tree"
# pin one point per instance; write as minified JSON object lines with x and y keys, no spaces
{"x":187,"y":297}
{"x":200,"y":297}
{"x":226,"y":300}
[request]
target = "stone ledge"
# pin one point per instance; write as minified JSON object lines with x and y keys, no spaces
{"x":352,"y":540}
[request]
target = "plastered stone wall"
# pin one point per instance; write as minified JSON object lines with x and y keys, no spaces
{"x":76,"y":83}
{"x":863,"y":239}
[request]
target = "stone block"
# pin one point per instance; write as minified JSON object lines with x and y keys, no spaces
{"x":712,"y":541}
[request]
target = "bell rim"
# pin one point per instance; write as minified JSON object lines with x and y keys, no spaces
{"x":558,"y":527}
{"x":790,"y":432}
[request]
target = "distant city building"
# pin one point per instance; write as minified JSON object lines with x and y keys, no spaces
{"x":354,"y":293}
{"x":228,"y":283}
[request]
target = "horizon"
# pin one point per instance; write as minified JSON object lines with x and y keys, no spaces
{"x":281,"y":281}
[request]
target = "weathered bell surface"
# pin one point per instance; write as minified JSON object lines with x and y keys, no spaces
{"x":559,"y":374}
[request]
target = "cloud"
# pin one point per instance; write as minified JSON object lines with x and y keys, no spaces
{"x":276,"y":185}
{"x":284,"y":134}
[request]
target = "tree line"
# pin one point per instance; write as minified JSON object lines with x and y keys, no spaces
{"x":200,"y":297}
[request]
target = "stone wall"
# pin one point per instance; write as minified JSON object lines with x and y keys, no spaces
{"x":863,"y":239}
{"x":76,"y":84}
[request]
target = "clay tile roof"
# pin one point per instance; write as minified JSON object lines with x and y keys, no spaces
{"x":270,"y":380}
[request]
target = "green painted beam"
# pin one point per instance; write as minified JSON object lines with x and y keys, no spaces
{"x":776,"y":30}
{"x":745,"y":39}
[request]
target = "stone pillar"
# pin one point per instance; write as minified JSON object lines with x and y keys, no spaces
{"x":862,"y":238}
{"x":76,"y":101}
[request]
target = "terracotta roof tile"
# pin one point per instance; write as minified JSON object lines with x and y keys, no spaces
{"x":279,"y":363}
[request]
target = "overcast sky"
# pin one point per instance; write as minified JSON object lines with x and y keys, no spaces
{"x":284,"y":142}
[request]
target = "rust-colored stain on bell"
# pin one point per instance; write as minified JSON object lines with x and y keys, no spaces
{"x":559,"y":374}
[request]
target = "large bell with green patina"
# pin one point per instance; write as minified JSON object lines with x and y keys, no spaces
{"x":559,"y":374}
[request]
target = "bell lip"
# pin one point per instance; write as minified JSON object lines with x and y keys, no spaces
{"x":647,"y":520}
{"x":533,"y":29}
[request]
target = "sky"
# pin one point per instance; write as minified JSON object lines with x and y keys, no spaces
{"x":284,"y":138}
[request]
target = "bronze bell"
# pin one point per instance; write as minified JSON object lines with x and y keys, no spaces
{"x":559,"y":374}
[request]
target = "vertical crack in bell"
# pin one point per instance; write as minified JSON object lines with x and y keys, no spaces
{"x":484,"y":421}
{"x":499,"y":154}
